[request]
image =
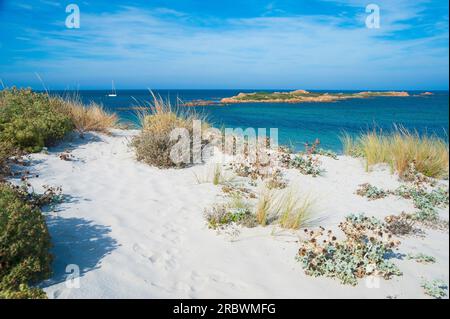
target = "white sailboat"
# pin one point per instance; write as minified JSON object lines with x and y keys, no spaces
{"x":113,"y":92}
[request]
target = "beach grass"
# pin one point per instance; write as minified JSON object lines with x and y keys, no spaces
{"x":92,"y":117}
{"x":294,"y":210}
{"x":289,"y":207}
{"x":158,"y":120}
{"x":400,"y":149}
{"x":264,"y":206}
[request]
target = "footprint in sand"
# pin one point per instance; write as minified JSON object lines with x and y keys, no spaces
{"x":165,"y":260}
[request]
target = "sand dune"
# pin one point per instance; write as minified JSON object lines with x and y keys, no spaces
{"x":139,"y":232}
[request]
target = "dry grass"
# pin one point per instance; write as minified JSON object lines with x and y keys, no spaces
{"x":399,"y":149}
{"x":153,"y":146}
{"x":87,"y":118}
{"x":295,"y":210}
{"x":288,"y":207}
{"x":264,"y":206}
{"x":216,"y":175}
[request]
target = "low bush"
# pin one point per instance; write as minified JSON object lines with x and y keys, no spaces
{"x":236,"y":211}
{"x":399,"y":149}
{"x":401,"y":225}
{"x":371,"y":192}
{"x":425,"y":202}
{"x":24,"y":246}
{"x":153,"y":145}
{"x":361,"y":253}
{"x":436,"y":288}
{"x":6,"y":151}
{"x":307,"y":164}
{"x":30,"y":121}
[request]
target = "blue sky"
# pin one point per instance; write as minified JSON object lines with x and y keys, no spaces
{"x":311,"y":44}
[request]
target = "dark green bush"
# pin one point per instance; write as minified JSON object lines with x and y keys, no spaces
{"x":24,"y":246}
{"x":6,"y":151}
{"x":30,"y":120}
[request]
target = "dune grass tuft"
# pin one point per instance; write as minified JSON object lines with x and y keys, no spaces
{"x":88,"y":118}
{"x":288,"y":207}
{"x":153,"y":145}
{"x":264,"y":206}
{"x":401,"y":148}
{"x":295,"y":210}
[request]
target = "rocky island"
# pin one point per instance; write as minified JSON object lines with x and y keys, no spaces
{"x":302,"y":96}
{"x":297,"y":96}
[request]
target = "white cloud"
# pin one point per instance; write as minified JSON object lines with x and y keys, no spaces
{"x":149,"y":47}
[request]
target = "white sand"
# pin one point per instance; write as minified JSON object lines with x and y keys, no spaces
{"x":139,"y":232}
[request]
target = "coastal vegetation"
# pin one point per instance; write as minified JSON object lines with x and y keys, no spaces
{"x":91,"y":118}
{"x":361,"y":253}
{"x":256,"y":193}
{"x":24,"y":246}
{"x":436,"y":288}
{"x":400,"y":149}
{"x":426,"y":200}
{"x":288,"y":208}
{"x":30,"y":122}
{"x":154,"y":144}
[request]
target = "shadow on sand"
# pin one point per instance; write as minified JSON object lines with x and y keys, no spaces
{"x":77,"y":241}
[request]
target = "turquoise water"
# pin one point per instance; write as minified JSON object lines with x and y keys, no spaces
{"x":298,"y":123}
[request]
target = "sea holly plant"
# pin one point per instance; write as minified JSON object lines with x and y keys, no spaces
{"x":425,"y":202}
{"x":436,"y":288}
{"x":371,"y":192}
{"x":363,"y":252}
{"x":421,"y":258}
{"x":307,"y":164}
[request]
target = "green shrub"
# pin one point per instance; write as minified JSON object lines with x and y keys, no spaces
{"x":6,"y":151}
{"x":24,"y":246}
{"x":30,"y":121}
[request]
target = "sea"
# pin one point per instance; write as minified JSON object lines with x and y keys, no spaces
{"x":296,"y":123}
